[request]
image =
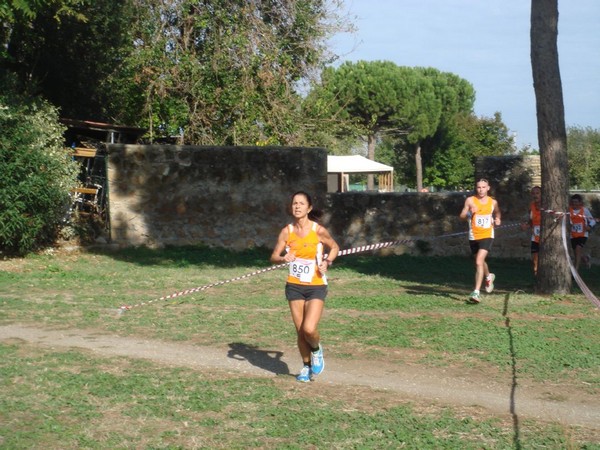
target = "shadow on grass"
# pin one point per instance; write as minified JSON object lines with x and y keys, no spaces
{"x":188,"y":256}
{"x":452,"y":271}
{"x":269,"y":360}
{"x":455,"y":294}
{"x":455,"y":272}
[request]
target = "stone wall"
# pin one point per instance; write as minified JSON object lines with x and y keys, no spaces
{"x":428,"y":222}
{"x":359,"y":218}
{"x":232,"y":197}
{"x":237,"y":197}
{"x":427,"y":219}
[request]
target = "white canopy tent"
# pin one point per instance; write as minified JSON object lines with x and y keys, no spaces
{"x":339,"y":167}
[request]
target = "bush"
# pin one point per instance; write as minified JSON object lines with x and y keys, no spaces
{"x":37,"y":172}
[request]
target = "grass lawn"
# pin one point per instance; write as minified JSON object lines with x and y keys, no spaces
{"x":397,"y":309}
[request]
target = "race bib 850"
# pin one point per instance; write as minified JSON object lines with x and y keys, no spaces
{"x":303,"y":269}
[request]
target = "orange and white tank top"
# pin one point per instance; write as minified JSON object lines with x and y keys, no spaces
{"x":535,"y":215}
{"x":578,"y":223}
{"x":481,"y":225}
{"x":309,"y":253}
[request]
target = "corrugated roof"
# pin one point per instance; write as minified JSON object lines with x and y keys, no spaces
{"x":355,"y":164}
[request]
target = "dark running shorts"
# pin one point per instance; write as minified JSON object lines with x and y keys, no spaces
{"x":578,"y":242}
{"x":535,"y":247}
{"x":303,"y":292}
{"x":481,"y":244}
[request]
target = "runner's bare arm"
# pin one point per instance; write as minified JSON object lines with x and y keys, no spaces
{"x":497,"y":214}
{"x":276,"y":256}
{"x":330,"y":243}
{"x":469,"y":205}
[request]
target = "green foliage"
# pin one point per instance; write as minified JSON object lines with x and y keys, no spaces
{"x":456,"y":94}
{"x":410,"y":110}
{"x":36,"y":172}
{"x":448,"y":153}
{"x":211,"y":72}
{"x":380,"y":96}
{"x":458,"y":143}
{"x":583,"y":145}
{"x":223,"y":72}
{"x":69,"y":61}
{"x":31,"y":8}
{"x":16,"y":10}
{"x":328,"y":124}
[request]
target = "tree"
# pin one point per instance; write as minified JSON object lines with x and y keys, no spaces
{"x":226,"y":71}
{"x":380,"y":97}
{"x":462,"y":140}
{"x":69,"y":61}
{"x":457,"y":97}
{"x":210,"y":71}
{"x":27,"y":10}
{"x":584,"y":157}
{"x":553,"y":272}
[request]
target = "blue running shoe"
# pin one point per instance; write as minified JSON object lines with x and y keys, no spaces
{"x":304,"y":375}
{"x":317,"y":362}
{"x":474,"y":297}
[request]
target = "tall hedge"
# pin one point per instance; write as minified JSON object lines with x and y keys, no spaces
{"x":36,"y":173}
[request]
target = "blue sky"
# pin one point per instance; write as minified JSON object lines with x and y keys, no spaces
{"x":486,"y":42}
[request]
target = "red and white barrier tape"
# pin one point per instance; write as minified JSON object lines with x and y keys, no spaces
{"x":586,"y":291}
{"x":201,"y":288}
{"x":562,"y":213}
{"x":350,"y":251}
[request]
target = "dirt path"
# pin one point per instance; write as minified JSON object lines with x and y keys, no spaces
{"x":510,"y":399}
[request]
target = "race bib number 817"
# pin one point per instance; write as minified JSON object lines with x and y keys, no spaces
{"x":484,"y":221}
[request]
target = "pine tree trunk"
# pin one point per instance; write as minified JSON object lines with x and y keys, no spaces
{"x":371,"y":156}
{"x":553,"y":271}
{"x":419,"y":166}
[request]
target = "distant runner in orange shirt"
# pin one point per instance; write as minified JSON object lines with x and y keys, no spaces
{"x":534,"y":222}
{"x":582,"y":222}
{"x":483,"y":214}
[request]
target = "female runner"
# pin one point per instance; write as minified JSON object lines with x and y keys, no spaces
{"x":302,"y":244}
